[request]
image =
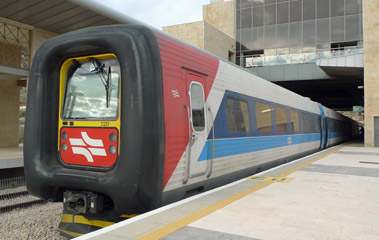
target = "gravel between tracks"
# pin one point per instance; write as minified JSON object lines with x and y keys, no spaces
{"x":36,"y":222}
{"x":12,"y":190}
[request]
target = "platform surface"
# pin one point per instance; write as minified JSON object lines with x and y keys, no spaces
{"x":333,"y":194}
{"x":11,"y":157}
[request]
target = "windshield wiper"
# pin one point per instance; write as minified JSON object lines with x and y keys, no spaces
{"x":105,"y":77}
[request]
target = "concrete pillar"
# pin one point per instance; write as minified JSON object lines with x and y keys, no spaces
{"x":9,"y":113}
{"x":371,"y":67}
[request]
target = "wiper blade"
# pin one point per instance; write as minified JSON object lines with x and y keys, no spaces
{"x":104,"y":77}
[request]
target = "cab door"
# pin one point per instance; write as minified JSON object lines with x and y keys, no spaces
{"x":196,"y":151}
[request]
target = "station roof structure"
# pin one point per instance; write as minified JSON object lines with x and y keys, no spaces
{"x":55,"y":16}
{"x":60,"y":16}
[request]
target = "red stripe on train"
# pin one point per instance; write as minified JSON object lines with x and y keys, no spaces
{"x":177,"y":60}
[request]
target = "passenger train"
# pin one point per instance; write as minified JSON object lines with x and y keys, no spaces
{"x":124,"y":119}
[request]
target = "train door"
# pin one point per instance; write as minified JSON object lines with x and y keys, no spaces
{"x":323,"y":128}
{"x":197,"y":151}
{"x":325,"y":120}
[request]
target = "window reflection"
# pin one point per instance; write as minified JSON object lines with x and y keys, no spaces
{"x":322,"y":9}
{"x":258,"y":16}
{"x":309,"y":9}
{"x":295,"y":13}
{"x":337,"y":7}
{"x":86,"y":96}
{"x":352,"y":27}
{"x":352,"y":7}
{"x":337,"y":28}
{"x":309,"y":33}
{"x":323,"y":35}
{"x":270,"y":15}
{"x":282,"y":13}
{"x":197,"y":106}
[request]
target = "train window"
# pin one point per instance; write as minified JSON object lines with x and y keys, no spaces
{"x":304,"y":122}
{"x":237,"y":115}
{"x":197,"y":106}
{"x":92,"y":90}
{"x":294,"y":118}
{"x":263,"y":115}
{"x":318,"y":124}
{"x":281,"y":119}
{"x":312,"y":123}
{"x":332,"y":126}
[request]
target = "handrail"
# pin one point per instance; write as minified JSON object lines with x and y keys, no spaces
{"x":213,"y":144}
{"x":186,"y":173}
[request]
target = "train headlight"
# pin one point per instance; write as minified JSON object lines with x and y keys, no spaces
{"x":64,"y":135}
{"x":112,"y":137}
{"x":112,"y":149}
{"x":64,"y":147}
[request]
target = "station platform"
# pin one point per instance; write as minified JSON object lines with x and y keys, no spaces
{"x":332,"y":194}
{"x":11,"y":157}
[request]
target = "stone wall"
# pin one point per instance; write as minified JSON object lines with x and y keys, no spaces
{"x":204,"y":36}
{"x":192,"y":33}
{"x":9,"y":117}
{"x":371,"y":69}
{"x":220,"y":15}
{"x":218,"y":43}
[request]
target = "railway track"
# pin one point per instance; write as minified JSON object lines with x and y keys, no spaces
{"x":14,"y":195}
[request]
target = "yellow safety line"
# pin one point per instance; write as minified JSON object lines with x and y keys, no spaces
{"x":67,"y":218}
{"x":128,"y":215}
{"x":70,"y":233}
{"x":174,"y":226}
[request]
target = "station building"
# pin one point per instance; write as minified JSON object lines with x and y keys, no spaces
{"x":321,"y":49}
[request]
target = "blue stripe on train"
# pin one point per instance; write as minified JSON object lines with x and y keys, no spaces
{"x":235,"y":146}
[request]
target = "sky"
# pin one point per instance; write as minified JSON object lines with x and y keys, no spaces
{"x":159,"y":13}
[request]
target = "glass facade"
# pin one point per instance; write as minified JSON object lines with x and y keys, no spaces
{"x":296,"y":30}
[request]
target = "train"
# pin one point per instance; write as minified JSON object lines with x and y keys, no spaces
{"x":123,"y":119}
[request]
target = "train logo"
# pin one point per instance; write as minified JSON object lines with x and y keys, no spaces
{"x":77,"y":146}
{"x":96,"y":147}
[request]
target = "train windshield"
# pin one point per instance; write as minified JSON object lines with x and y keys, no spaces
{"x":92,"y":90}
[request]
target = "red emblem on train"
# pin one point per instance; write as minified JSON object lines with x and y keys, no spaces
{"x":89,"y":146}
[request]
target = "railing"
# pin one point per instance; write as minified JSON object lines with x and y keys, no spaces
{"x":14,"y":46}
{"x":12,"y":182}
{"x":261,"y":60}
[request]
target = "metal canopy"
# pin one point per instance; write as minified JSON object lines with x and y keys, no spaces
{"x":60,"y":16}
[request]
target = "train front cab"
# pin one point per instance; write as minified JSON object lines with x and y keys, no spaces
{"x":96,"y":106}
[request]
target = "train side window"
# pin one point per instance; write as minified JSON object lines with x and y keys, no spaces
{"x":318,"y":124}
{"x":294,"y":118}
{"x":197,"y":106}
{"x":304,"y":122}
{"x":237,"y":115}
{"x":281,"y":119}
{"x":312,"y":123}
{"x":332,"y":127}
{"x":263,"y":115}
